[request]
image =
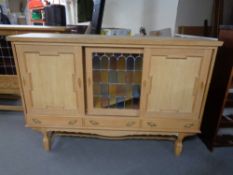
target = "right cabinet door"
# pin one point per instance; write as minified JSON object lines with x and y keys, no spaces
{"x":174,"y":82}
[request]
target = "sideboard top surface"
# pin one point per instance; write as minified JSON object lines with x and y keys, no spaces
{"x":100,"y":39}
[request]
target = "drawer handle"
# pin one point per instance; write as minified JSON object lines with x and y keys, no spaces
{"x":190,"y":125}
{"x":130,"y":124}
{"x":36,"y":121}
{"x":95,"y":123}
{"x":72,"y":122}
{"x":151,"y":124}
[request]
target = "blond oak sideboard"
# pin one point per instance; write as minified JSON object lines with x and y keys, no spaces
{"x":113,"y":86}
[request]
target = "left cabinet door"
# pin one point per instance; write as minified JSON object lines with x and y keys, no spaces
{"x":52,"y":79}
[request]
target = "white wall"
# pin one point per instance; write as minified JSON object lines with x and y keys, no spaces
{"x":159,"y":14}
{"x":132,"y":14}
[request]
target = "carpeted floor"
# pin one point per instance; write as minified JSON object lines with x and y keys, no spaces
{"x":21,"y":153}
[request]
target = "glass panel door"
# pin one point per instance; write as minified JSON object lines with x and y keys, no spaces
{"x":115,"y":75}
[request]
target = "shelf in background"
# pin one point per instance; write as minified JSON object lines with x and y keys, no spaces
{"x":38,"y":21}
{"x":226,"y":121}
{"x":224,"y":140}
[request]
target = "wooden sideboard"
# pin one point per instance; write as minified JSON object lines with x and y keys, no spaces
{"x":8,"y":78}
{"x":114,"y":86}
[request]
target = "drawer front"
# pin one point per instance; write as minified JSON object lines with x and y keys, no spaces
{"x":112,"y":123}
{"x":54,"y":122}
{"x":170,"y":125}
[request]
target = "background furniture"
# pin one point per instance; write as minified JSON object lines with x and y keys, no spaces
{"x":195,"y":30}
{"x":114,"y":86}
{"x":207,"y":24}
{"x":9,"y":87}
{"x":37,"y":16}
{"x":217,"y":126}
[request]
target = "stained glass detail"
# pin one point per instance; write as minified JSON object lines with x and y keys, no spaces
{"x":117,"y":80}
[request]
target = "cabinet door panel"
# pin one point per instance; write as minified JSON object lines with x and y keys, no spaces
{"x":174,"y":82}
{"x":52,"y":79}
{"x":113,"y":79}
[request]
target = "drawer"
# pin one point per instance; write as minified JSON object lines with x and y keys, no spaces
{"x":170,"y":125}
{"x":54,"y":122}
{"x":111,"y":123}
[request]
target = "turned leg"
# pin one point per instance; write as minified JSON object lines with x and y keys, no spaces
{"x":47,"y":140}
{"x":179,"y":143}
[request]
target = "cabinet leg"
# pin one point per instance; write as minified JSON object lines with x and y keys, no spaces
{"x":47,"y":140}
{"x":179,"y":144}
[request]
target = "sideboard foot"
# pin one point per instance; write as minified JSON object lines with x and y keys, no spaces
{"x":47,"y":140}
{"x":179,"y":144}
